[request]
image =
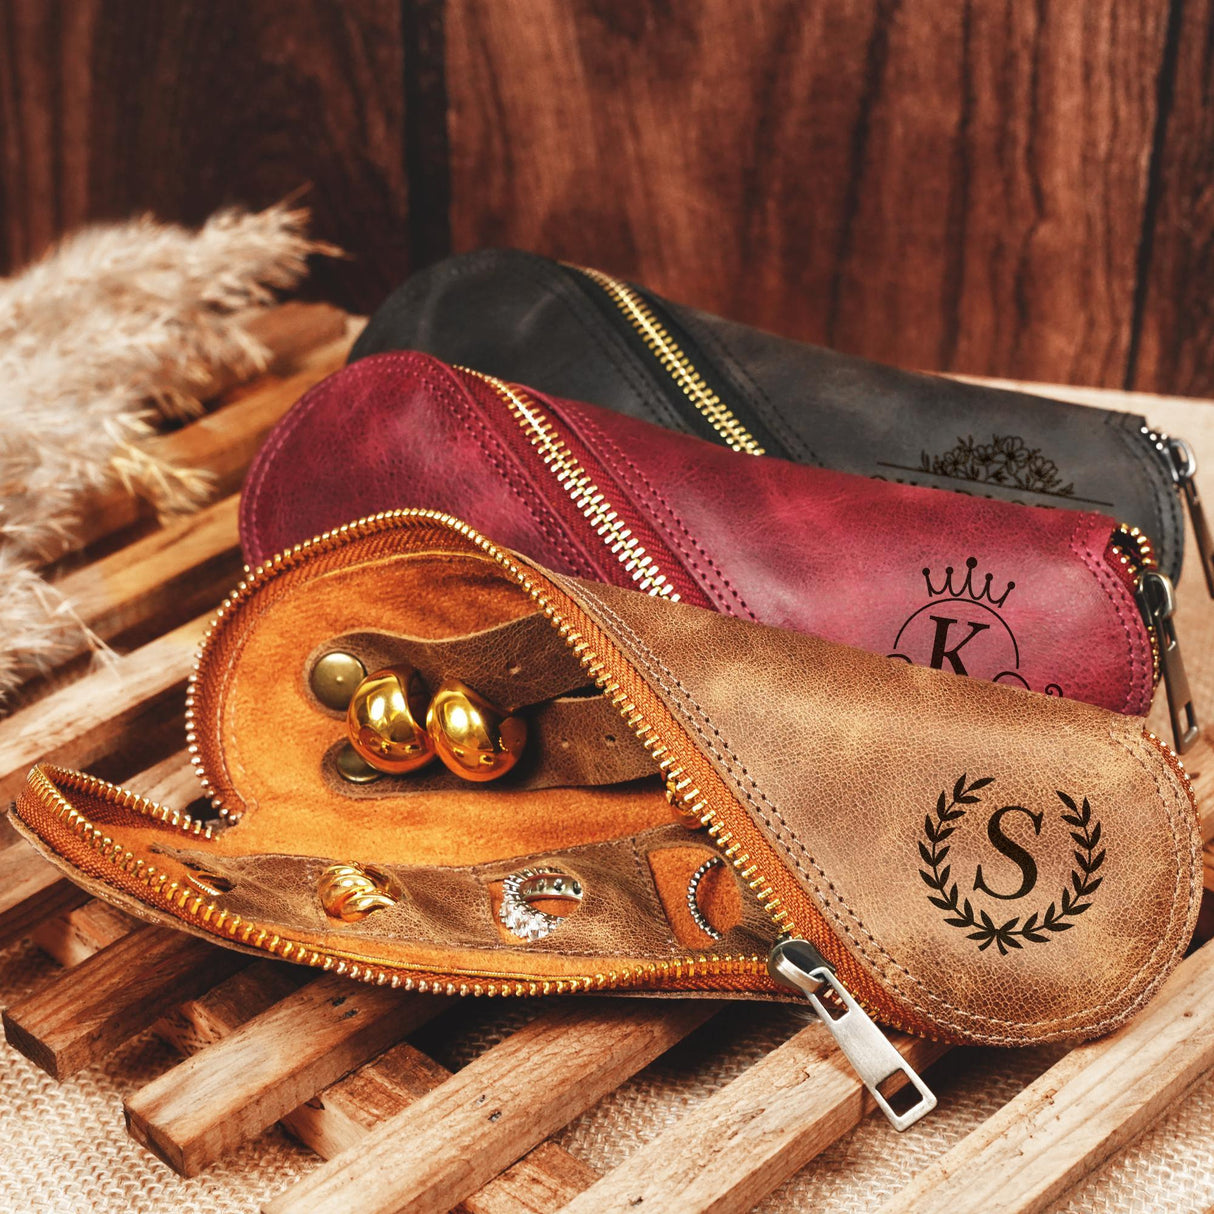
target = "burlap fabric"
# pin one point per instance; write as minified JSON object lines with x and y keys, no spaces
{"x":63,"y":1148}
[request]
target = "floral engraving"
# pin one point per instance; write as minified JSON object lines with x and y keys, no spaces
{"x":1006,"y":460}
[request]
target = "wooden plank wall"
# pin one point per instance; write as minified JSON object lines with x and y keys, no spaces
{"x":991,"y":186}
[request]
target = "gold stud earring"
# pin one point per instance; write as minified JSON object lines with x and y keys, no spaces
{"x":472,"y":737}
{"x":384,"y":721}
{"x":351,"y":892}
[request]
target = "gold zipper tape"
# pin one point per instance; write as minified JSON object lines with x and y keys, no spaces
{"x":581,"y":490}
{"x":674,"y":361}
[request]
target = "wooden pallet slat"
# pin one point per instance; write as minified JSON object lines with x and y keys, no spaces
{"x":542,"y":1181}
{"x":75,"y":936}
{"x":213,"y":1015}
{"x":31,"y":889}
{"x":763,"y":1126}
{"x":1083,"y":1109}
{"x":233,"y":1090}
{"x":93,"y":718}
{"x":451,"y":1142}
{"x":177,"y":571}
{"x":85,"y":1013}
{"x":341,"y":1117}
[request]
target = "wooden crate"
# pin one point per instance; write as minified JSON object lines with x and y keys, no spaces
{"x":265,"y":1042}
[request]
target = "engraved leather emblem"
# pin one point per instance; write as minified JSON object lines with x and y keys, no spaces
{"x":962,"y":629}
{"x":951,"y":890}
{"x":1007,"y":460}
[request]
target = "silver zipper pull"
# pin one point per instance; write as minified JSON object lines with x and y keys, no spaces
{"x":796,"y":963}
{"x":1184,"y":467}
{"x":1157,"y":602}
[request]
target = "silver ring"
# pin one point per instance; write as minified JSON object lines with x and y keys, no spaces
{"x":517,"y":914}
{"x":693,"y":894}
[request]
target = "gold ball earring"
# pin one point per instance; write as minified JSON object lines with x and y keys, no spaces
{"x":384,"y":721}
{"x":472,"y":737}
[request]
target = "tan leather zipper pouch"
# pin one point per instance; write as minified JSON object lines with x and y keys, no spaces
{"x":683,"y":790}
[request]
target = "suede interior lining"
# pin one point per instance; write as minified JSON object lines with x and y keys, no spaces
{"x":274,"y":734}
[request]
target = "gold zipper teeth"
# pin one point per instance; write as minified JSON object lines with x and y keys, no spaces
{"x":123,"y":797}
{"x":676,"y":364}
{"x":1145,"y":554}
{"x":582,"y":491}
{"x":1176,"y":762}
{"x":1142,"y":558}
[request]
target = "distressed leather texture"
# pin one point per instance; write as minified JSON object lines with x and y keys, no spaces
{"x":842,"y":765}
{"x":830,"y":765}
{"x":530,"y":320}
{"x":1021,"y":595}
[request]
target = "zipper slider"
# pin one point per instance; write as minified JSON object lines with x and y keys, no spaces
{"x":1157,"y":602}
{"x":796,"y":963}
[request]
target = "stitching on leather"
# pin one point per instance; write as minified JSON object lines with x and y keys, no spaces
{"x":657,"y":669}
{"x":470,"y":410}
{"x":774,"y":415}
{"x":443,"y":391}
{"x":475,"y":426}
{"x":965,"y":1018}
{"x":631,"y":369}
{"x":225,"y":694}
{"x":1193,"y":849}
{"x":1139,"y":686}
{"x":553,"y":280}
{"x":640,"y":484}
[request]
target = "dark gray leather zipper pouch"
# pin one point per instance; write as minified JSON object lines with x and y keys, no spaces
{"x":583,"y":335}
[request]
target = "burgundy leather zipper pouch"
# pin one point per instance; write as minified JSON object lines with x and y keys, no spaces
{"x":1048,"y":600}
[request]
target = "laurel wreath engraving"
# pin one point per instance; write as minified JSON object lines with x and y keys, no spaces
{"x":1036,"y":928}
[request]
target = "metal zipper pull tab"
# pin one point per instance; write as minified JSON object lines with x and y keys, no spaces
{"x":1184,"y":467}
{"x":1157,"y":602}
{"x":798,"y":964}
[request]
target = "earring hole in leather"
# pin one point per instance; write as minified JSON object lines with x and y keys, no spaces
{"x":207,"y":882}
{"x":535,"y":901}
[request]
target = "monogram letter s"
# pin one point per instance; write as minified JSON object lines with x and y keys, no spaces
{"x":1012,"y":850}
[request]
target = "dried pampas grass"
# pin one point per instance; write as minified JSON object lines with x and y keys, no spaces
{"x":117,"y":325}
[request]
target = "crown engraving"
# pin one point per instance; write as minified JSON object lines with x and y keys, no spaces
{"x":947,"y":589}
